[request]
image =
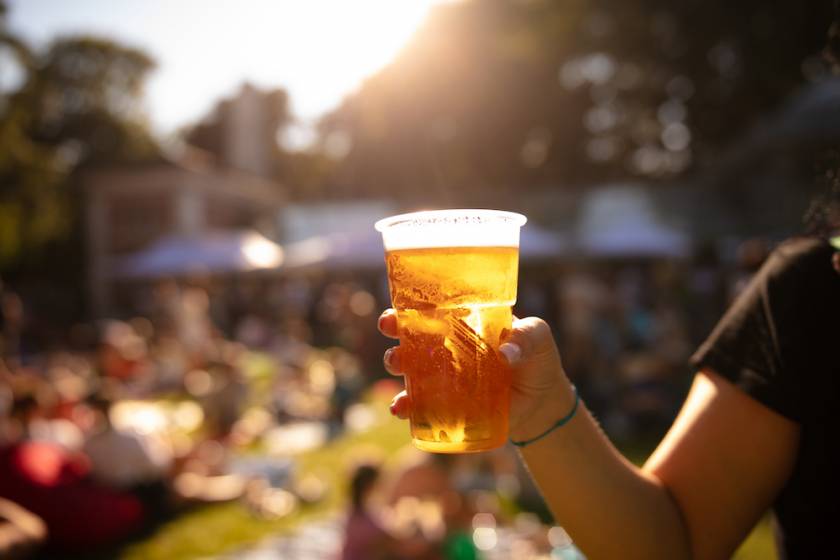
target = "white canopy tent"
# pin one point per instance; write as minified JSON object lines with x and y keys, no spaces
{"x":214,"y":253}
{"x":622,"y":222}
{"x":362,"y":249}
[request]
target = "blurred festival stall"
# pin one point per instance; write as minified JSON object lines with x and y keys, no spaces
{"x":622,"y":222}
{"x":362,"y":249}
{"x":213,"y":253}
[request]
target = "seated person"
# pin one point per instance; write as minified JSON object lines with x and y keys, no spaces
{"x":365,"y":538}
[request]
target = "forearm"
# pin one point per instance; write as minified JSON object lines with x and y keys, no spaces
{"x":611,"y":508}
{"x":14,"y":542}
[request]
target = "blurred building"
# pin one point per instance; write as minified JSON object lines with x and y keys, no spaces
{"x":304,"y":221}
{"x":128,"y":207}
{"x":241,"y":132}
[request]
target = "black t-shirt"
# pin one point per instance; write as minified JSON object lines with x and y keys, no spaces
{"x":780,"y":343}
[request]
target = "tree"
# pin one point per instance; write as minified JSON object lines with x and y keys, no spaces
{"x":496,"y":95}
{"x":27,"y":169}
{"x":87,"y":93}
{"x":79,"y":104}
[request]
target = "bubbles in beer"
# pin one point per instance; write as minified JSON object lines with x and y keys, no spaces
{"x":453,"y":305}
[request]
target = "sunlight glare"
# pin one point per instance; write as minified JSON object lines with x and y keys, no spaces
{"x":319,"y":50}
{"x":259,"y":252}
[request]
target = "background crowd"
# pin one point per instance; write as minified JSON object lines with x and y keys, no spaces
{"x":137,"y":420}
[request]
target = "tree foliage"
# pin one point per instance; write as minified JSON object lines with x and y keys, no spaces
{"x":503,"y":94}
{"x":79,"y":103}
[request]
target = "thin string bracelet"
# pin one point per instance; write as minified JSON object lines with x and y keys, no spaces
{"x":563,"y":421}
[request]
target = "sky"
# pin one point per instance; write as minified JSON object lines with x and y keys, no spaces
{"x":319,"y":50}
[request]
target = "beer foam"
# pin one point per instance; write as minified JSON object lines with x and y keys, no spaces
{"x":451,"y":228}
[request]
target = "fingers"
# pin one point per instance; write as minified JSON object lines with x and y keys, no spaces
{"x":388,"y":326}
{"x":388,"y":323}
{"x":400,"y":405}
{"x":391,"y":359}
{"x":529,"y":338}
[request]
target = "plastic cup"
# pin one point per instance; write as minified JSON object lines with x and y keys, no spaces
{"x":452,"y":276}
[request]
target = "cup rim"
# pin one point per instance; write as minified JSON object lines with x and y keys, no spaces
{"x":451,"y":217}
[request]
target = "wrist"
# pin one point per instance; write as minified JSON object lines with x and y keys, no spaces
{"x":559,"y":402}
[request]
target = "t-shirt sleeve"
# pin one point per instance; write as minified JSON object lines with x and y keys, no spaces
{"x":763,"y":342}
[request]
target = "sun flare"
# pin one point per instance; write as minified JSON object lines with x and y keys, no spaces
{"x":319,"y":50}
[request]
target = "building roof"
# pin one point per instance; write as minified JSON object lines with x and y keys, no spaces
{"x":191,"y":168}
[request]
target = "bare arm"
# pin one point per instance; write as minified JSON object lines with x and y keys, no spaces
{"x":709,"y":481}
{"x":717,"y":470}
{"x":720,"y":466}
{"x":611,"y":508}
{"x":724,"y":461}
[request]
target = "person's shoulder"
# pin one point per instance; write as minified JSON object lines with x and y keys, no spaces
{"x":798,"y":282}
{"x":803,"y":248}
{"x":800,"y":258}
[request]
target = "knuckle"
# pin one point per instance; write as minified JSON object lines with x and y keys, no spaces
{"x":536,"y":335}
{"x":540,"y":329}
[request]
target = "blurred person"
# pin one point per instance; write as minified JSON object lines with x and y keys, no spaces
{"x":193,"y":320}
{"x":222,"y":394}
{"x":21,"y":531}
{"x":365,"y":537}
{"x":296,"y":296}
{"x":3,"y":343}
{"x":54,"y":484}
{"x":583,"y":298}
{"x":292,"y":341}
{"x":644,"y":392}
{"x":144,"y":466}
{"x":751,"y":255}
{"x":706,"y":292}
{"x":170,"y":361}
{"x":9,"y":431}
{"x":428,"y":476}
{"x":349,"y":384}
{"x":184,"y":312}
{"x":12,"y":322}
{"x":671,"y":334}
{"x":125,"y":459}
{"x":32,"y":413}
{"x":163,"y":305}
{"x":253,"y":331}
{"x":432,"y":479}
{"x":122,"y":353}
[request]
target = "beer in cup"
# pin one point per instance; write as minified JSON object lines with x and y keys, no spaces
{"x":452,"y":276}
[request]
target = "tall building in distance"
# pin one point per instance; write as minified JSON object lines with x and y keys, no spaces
{"x":241,"y":132}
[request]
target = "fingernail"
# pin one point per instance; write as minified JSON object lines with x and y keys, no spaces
{"x":389,"y":355}
{"x":393,"y":408}
{"x":512,"y":352}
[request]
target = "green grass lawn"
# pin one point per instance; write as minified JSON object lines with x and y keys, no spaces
{"x":212,"y":530}
{"x":759,"y":545}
